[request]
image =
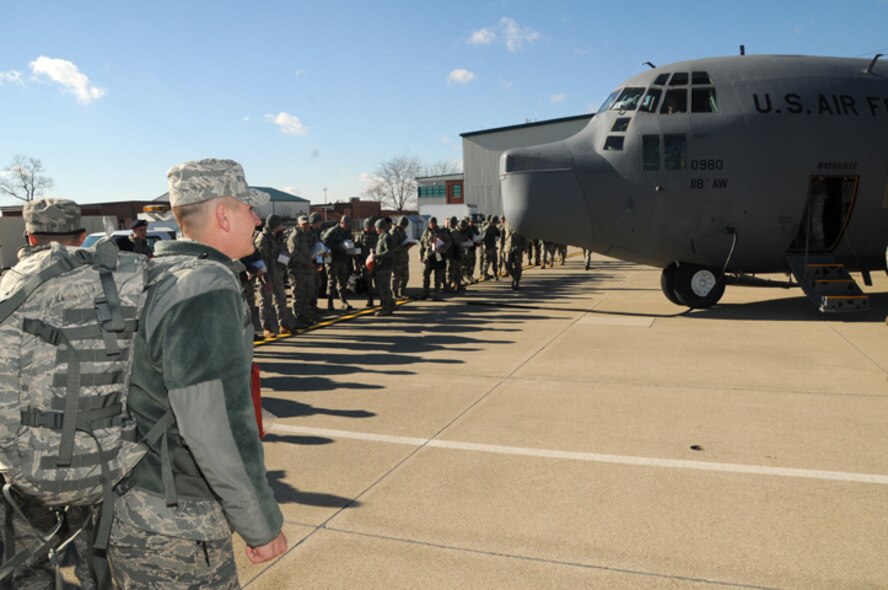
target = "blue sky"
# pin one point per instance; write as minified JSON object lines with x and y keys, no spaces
{"x":308,"y":95}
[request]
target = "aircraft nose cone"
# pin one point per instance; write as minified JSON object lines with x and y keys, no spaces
{"x":541,"y":195}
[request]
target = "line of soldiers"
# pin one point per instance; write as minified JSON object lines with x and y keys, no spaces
{"x":319,"y":263}
{"x":329,"y":263}
{"x":449,"y":253}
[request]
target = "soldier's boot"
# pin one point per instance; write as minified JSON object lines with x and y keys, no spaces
{"x":346,"y":305}
{"x":330,"y":304}
{"x":425,"y":294}
{"x":369,"y":302}
{"x":514,"y":285}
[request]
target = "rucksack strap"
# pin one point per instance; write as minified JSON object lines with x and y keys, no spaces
{"x":159,"y":433}
{"x":44,"y":542}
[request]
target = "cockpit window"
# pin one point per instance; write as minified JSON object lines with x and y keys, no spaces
{"x":676,"y":101}
{"x":621,"y":124}
{"x":607,"y":102}
{"x":701,"y":78}
{"x":628,"y":99}
{"x":614,"y":142}
{"x":661,"y":80}
{"x":703,"y":100}
{"x":650,"y":100}
{"x":679,"y":79}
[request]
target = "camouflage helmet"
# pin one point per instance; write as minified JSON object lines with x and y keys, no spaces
{"x":52,"y":216}
{"x":403,"y":222}
{"x":201,"y":180}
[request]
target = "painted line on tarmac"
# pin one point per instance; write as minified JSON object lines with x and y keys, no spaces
{"x":843,"y":476}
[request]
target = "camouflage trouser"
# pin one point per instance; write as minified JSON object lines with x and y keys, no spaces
{"x":273,"y":296}
{"x":337,"y":279}
{"x":400,"y":274}
{"x":468,"y":264}
{"x":432,"y":265}
{"x":454,"y":270}
{"x":482,"y":261}
{"x":143,"y":559}
{"x":305,"y":289}
{"x":490,"y":260}
{"x":562,"y":251}
{"x":250,"y":294}
{"x":514,"y":262}
{"x":503,"y":259}
{"x":386,"y":298}
{"x":537,"y":251}
{"x":38,"y":573}
{"x":549,"y":253}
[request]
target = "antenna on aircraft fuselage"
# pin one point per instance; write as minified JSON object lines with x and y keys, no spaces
{"x":743,"y":50}
{"x":872,"y":64}
{"x":652,"y":66}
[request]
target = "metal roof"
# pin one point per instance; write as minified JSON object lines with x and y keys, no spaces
{"x":526,"y":125}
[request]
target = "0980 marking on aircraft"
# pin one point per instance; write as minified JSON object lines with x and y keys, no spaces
{"x":718,"y":169}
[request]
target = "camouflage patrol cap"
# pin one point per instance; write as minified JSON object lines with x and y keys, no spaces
{"x":314,"y":218}
{"x":368,"y":222}
{"x":201,"y":180}
{"x":52,"y":216}
{"x":273,"y":221}
{"x":403,"y":222}
{"x":380,"y":224}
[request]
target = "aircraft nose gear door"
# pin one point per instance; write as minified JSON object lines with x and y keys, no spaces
{"x":828,"y":209}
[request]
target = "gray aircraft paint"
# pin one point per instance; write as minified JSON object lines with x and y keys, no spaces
{"x":781,"y":120}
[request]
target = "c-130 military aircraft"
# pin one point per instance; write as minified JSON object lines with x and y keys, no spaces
{"x":717,"y":169}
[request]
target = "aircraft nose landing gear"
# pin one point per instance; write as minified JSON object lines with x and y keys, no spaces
{"x":692,"y":285}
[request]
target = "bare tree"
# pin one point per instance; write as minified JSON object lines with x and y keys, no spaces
{"x":395,"y":183}
{"x":24,"y":179}
{"x":442,"y":167}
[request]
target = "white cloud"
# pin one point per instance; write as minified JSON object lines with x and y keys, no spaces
{"x":69,"y":76}
{"x":11,"y":76}
{"x":507,"y":31}
{"x":482,"y":37}
{"x":460,"y":76}
{"x":516,"y":35}
{"x":556,"y":98}
{"x":289,"y":124}
{"x":296,"y":192}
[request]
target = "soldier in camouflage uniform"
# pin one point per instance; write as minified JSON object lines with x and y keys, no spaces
{"x":49,"y":223}
{"x":303,"y":270}
{"x":491,"y":237}
{"x":368,"y":242}
{"x":515,"y":244}
{"x":454,"y":257}
{"x":384,"y":260}
{"x":191,"y":379}
{"x":471,"y":257}
{"x":401,"y":263}
{"x":503,"y":255}
{"x":276,"y":315}
{"x":432,"y":255}
{"x":339,"y":267}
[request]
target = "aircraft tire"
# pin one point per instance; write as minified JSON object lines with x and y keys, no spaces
{"x":698,"y":286}
{"x":667,"y":284}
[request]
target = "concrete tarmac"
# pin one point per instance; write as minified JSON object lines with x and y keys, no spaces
{"x":582,"y":432}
